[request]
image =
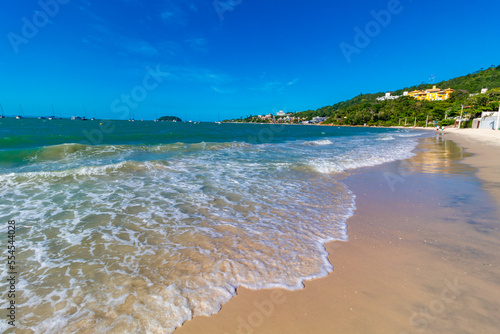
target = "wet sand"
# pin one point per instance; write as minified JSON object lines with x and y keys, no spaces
{"x":422,"y":255}
{"x":484,"y":144}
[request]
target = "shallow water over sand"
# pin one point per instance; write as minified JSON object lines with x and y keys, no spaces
{"x":134,"y":237}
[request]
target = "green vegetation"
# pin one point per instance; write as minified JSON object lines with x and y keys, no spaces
{"x":170,"y":119}
{"x":256,"y":119}
{"x":446,"y":122}
{"x":365,"y":109}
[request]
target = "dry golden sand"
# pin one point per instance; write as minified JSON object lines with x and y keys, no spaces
{"x":479,"y":136}
{"x":422,"y":256}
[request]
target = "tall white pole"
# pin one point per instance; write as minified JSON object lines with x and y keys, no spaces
{"x":427,"y":121}
{"x":460,"y":122}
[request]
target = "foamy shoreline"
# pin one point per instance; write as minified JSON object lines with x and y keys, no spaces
{"x":399,"y":257}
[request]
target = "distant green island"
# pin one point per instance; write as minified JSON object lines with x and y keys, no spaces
{"x":170,"y":119}
{"x":425,"y":104}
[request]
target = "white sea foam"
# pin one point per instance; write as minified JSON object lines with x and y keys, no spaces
{"x":142,"y":246}
{"x":362,"y":152}
{"x":386,"y":138}
{"x":319,"y":142}
{"x":409,"y":134}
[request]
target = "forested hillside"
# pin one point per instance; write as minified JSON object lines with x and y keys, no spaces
{"x":366,"y":109}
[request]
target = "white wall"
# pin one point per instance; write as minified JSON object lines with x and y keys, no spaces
{"x":489,"y":123}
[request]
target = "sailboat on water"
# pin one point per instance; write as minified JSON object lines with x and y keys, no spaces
{"x":84,"y":118}
{"x":1,"y":115}
{"x":52,"y":117}
{"x":21,"y":113}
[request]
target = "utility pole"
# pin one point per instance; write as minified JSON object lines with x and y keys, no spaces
{"x":405,"y":121}
{"x":460,"y":122}
{"x":415,"y":124}
{"x":427,"y":121}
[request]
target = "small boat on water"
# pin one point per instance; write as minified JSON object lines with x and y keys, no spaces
{"x":52,"y":117}
{"x":21,"y":113}
{"x":1,"y":115}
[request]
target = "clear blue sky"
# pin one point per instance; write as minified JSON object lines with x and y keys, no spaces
{"x":230,"y":57}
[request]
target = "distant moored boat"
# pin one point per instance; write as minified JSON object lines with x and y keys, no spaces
{"x":52,"y":117}
{"x":21,"y":113}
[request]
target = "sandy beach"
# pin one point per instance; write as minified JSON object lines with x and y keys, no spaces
{"x":483,"y":143}
{"x":422,"y":255}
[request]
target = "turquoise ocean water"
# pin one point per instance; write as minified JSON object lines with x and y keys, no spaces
{"x":137,"y":227}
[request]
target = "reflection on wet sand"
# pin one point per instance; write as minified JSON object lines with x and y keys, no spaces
{"x":437,"y":155}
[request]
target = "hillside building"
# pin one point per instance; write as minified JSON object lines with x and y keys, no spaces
{"x":434,"y":94}
{"x":388,"y":96}
{"x":280,"y":113}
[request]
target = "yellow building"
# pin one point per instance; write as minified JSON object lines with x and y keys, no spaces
{"x":434,"y":94}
